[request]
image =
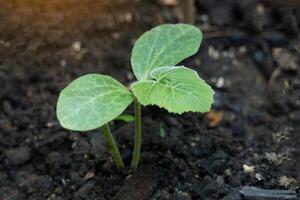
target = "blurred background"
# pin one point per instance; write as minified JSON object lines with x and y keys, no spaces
{"x":250,"y":55}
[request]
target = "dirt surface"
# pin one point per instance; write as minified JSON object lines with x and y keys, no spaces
{"x":250,"y":55}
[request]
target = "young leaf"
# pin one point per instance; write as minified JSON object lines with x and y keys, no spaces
{"x":126,"y":118}
{"x":164,"y":45}
{"x":91,"y":101}
{"x":175,"y":88}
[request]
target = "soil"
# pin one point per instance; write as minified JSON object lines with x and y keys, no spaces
{"x":250,"y":55}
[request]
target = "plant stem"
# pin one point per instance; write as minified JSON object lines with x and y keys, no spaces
{"x":138,"y":135}
{"x":114,"y":151}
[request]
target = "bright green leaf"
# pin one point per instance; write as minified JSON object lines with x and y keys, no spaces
{"x":177,"y":89}
{"x":91,"y":101}
{"x":125,"y":118}
{"x":164,"y":45}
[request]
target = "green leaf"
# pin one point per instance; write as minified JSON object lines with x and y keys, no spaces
{"x":91,"y":101}
{"x":125,"y":118}
{"x":177,"y":89}
{"x":164,"y":45}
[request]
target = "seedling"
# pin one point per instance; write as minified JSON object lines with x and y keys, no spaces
{"x":93,"y":100}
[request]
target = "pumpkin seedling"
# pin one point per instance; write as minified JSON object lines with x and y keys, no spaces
{"x":93,"y":100}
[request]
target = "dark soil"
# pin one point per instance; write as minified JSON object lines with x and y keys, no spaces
{"x":250,"y":55}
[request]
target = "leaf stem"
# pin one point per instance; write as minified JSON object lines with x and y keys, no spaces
{"x":114,"y":151}
{"x":138,"y":135}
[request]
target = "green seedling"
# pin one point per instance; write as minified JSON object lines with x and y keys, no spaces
{"x":125,"y":118}
{"x":93,"y":100}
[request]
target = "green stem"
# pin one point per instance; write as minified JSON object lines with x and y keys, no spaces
{"x":114,"y":151}
{"x":138,"y":135}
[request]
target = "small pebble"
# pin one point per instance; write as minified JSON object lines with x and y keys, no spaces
{"x":220,"y":181}
{"x":248,"y":169}
{"x":286,"y":181}
{"x":228,"y":172}
{"x":259,"y":177}
{"x":76,"y":46}
{"x":168,"y":2}
{"x":89,"y":175}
